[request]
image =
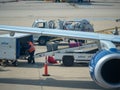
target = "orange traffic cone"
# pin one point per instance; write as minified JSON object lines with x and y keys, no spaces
{"x":46,"y":68}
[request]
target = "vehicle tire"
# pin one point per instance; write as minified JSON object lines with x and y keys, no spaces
{"x":68,"y":60}
{"x":42,"y":40}
{"x":15,"y":63}
{"x":5,"y":63}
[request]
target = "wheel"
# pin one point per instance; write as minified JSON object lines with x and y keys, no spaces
{"x":15,"y":63}
{"x":42,"y":40}
{"x":5,"y":62}
{"x":68,"y":60}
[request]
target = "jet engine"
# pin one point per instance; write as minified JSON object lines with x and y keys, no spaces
{"x":105,"y":68}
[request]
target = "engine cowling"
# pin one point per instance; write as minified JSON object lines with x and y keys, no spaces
{"x":105,"y":68}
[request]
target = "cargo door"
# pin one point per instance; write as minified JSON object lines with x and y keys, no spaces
{"x":22,"y":46}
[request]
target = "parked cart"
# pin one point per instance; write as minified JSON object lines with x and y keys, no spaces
{"x":13,"y":48}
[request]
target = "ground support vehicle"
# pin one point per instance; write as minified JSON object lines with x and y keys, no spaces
{"x":13,"y":48}
{"x":80,"y":25}
{"x":42,"y":40}
{"x":70,"y":55}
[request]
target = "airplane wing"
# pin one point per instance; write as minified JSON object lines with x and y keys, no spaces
{"x":61,"y":33}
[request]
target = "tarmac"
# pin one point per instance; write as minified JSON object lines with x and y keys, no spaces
{"x":101,"y":13}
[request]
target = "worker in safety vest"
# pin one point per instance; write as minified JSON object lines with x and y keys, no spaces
{"x":31,"y":50}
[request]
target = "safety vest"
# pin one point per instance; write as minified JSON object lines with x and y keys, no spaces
{"x":32,"y":48}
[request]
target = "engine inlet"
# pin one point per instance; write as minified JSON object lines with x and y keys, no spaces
{"x":107,"y":71}
{"x":110,"y":71}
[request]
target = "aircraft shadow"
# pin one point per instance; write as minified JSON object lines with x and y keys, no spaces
{"x":52,"y":82}
{"x":26,"y":65}
{"x":75,"y":65}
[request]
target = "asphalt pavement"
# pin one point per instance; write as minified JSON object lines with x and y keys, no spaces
{"x":102,"y":13}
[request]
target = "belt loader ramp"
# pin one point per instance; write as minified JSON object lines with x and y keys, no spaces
{"x":70,"y":55}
